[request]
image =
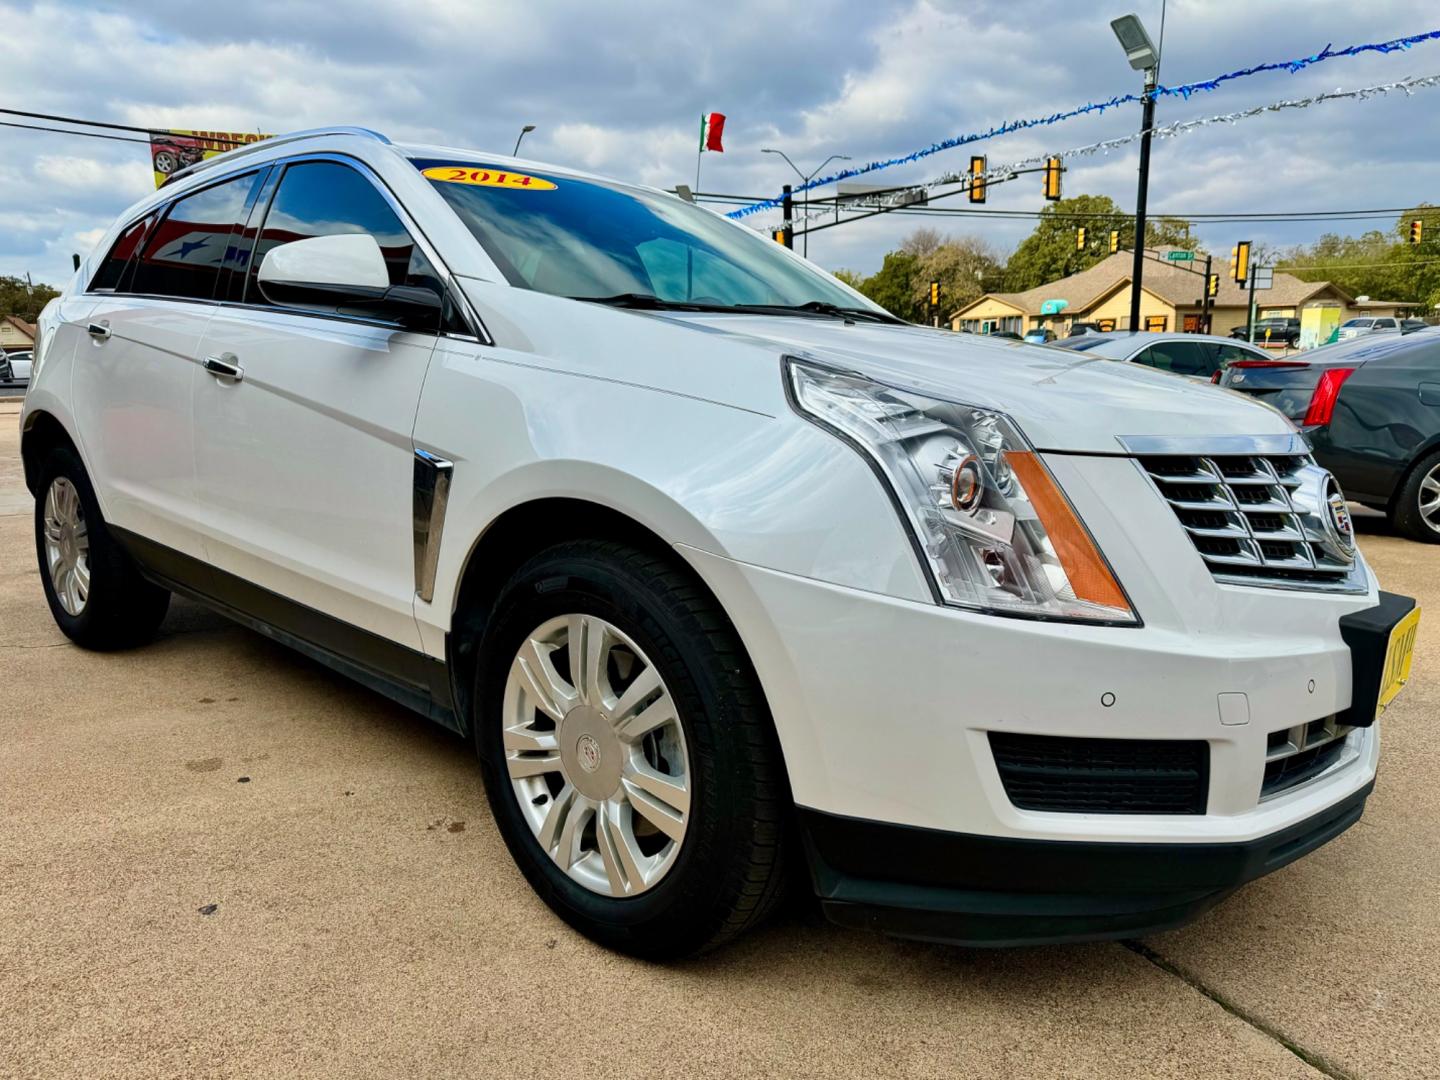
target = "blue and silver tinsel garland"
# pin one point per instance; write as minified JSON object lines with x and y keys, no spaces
{"x":1183,"y":91}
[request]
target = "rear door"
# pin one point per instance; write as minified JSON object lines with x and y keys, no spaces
{"x":154,"y":296}
{"x":305,"y":465}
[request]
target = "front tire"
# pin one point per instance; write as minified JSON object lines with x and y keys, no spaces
{"x":1417,"y":504}
{"x":96,"y":594}
{"x":627,"y":753}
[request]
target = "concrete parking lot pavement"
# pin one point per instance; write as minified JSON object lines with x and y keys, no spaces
{"x":219,"y":859}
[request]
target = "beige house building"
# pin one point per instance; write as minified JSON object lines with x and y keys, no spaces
{"x":1170,"y":300}
{"x":16,"y":335}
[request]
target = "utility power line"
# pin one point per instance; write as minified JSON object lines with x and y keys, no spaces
{"x":63,"y":131}
{"x":1203,"y":217}
{"x":92,"y":123}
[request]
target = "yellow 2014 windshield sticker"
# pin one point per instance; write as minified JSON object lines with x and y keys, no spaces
{"x":455,"y":174}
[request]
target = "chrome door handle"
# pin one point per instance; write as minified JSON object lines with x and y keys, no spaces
{"x":99,"y":331}
{"x":224,"y":367}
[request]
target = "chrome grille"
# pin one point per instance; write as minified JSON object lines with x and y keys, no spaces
{"x":1257,"y":519}
{"x":1297,"y":755}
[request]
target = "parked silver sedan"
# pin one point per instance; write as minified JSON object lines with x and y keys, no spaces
{"x":15,"y":369}
{"x":1200,"y":357}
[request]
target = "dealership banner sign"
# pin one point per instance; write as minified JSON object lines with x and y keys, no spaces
{"x":171,"y":151}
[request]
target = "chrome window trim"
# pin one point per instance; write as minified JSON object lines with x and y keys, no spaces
{"x":479,"y":333}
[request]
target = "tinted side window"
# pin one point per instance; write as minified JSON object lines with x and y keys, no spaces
{"x":1180,"y":357}
{"x":322,"y":198}
{"x":112,"y":270}
{"x":185,"y":254}
{"x":1230,"y":353}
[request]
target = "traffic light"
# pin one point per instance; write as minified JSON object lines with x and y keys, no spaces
{"x":977,"y":179}
{"x":1240,"y":261}
{"x":1080,"y":238}
{"x":1052,"y":179}
{"x":1416,"y":228}
{"x":778,"y":235}
{"x":1212,"y":286}
{"x":1114,"y":241}
{"x":934,"y":294}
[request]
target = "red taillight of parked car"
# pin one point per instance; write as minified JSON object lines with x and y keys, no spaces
{"x":1327,"y":391}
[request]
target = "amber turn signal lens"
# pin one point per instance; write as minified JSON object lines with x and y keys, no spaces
{"x":1089,"y":575}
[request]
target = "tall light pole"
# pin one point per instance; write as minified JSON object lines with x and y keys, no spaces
{"x":1141,"y":53}
{"x":523,"y":132}
{"x":805,"y":201}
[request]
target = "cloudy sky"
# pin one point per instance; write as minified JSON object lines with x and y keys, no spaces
{"x":618,"y":87}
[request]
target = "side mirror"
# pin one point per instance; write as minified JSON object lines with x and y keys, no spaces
{"x":345,"y":273}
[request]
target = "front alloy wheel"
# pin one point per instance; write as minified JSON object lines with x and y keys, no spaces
{"x":596,"y":755}
{"x":627,"y":752}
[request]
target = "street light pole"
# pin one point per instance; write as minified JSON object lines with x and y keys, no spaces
{"x":523,"y":132}
{"x":805,"y":193}
{"x":1147,"y":121}
{"x":1143,"y":56}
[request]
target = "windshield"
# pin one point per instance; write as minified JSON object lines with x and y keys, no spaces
{"x":590,"y":240}
{"x":1360,"y":323}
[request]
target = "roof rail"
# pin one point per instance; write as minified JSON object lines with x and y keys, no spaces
{"x":249,"y":148}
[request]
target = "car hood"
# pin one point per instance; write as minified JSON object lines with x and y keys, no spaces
{"x":1061,"y":400}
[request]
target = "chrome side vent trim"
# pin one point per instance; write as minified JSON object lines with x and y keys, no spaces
{"x":431,"y":495}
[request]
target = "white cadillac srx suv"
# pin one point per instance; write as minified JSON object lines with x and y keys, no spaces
{"x":725,"y":571}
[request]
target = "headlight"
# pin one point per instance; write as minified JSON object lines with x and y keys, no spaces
{"x":994,"y":531}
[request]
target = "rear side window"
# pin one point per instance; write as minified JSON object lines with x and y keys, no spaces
{"x":323,"y":198}
{"x":188,"y":249}
{"x":112,"y":270}
{"x":1228,"y":354}
{"x":1179,"y":357}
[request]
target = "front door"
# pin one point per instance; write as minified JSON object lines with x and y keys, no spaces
{"x":304,"y":464}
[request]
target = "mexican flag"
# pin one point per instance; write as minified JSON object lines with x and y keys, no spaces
{"x":712,"y":126}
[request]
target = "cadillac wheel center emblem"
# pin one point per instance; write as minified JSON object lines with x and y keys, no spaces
{"x":587,"y":752}
{"x":1339,"y":515}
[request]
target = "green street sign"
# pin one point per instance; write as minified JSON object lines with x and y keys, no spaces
{"x":1180,"y":256}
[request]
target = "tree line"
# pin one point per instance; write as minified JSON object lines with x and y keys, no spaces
{"x":20,"y":298}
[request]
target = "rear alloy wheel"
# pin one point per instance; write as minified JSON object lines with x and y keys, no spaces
{"x":67,"y":546}
{"x":628,"y":756}
{"x":1417,"y":507}
{"x":596,"y":755}
{"x":96,"y":593}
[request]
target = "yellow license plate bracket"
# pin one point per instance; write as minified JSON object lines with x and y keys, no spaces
{"x":1399,"y":657}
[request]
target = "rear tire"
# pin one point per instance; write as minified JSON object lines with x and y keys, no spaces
{"x":96,"y":593}
{"x":1417,"y":504}
{"x":727,"y":871}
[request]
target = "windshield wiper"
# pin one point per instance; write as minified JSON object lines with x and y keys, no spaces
{"x":649,"y":302}
{"x":824,"y":307}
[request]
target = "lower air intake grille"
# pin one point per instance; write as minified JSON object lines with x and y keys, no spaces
{"x":1103,"y":776}
{"x":1295,"y":755}
{"x":1258,"y":518}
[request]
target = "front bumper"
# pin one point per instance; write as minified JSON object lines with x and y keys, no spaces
{"x":887,"y":710}
{"x":991,"y":891}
